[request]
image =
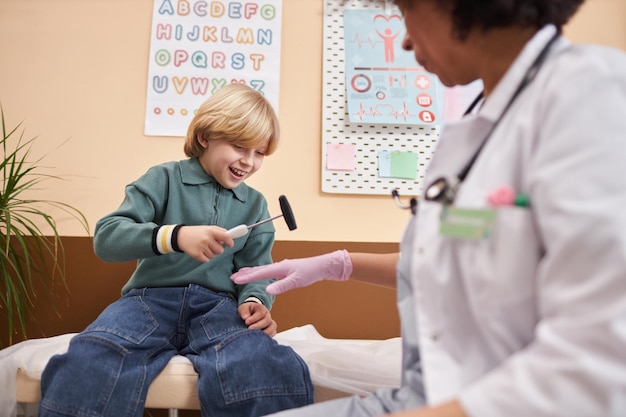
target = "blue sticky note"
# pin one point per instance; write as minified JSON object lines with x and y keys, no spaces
{"x":384,"y":164}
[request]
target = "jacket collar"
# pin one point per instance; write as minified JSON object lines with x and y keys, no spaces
{"x":192,"y":173}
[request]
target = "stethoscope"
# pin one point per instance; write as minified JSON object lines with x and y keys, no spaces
{"x":443,"y":191}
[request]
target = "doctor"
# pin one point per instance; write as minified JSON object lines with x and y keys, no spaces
{"x":512,"y":276}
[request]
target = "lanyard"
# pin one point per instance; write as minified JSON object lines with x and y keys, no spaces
{"x":441,"y":190}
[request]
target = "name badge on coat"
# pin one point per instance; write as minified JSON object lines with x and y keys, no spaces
{"x":467,"y":223}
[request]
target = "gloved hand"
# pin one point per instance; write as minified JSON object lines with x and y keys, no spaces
{"x":296,"y":273}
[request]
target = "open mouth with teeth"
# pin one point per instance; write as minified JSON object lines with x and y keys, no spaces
{"x":237,"y":172}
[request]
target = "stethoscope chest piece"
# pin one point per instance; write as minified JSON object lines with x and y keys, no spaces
{"x":436,"y":191}
{"x":441,"y":191}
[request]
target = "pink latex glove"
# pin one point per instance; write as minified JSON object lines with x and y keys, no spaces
{"x":296,"y":273}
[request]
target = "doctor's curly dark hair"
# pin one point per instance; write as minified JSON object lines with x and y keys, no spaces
{"x":490,"y":14}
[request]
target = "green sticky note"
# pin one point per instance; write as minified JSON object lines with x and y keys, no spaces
{"x":404,"y":165}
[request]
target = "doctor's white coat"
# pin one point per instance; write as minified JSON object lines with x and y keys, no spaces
{"x":531,"y":321}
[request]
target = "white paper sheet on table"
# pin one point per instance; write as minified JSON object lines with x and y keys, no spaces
{"x":350,"y":365}
{"x":30,"y":356}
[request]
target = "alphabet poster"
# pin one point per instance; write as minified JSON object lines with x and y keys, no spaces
{"x":384,"y":84}
{"x":198,"y":46}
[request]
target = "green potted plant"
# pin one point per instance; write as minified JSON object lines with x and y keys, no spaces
{"x":30,"y":259}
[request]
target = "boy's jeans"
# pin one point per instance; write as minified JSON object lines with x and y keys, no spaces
{"x":110,"y":365}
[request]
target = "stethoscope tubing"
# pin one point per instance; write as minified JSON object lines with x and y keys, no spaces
{"x":444,"y":191}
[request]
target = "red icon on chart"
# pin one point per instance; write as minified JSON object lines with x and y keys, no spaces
{"x":427,"y":116}
{"x":388,"y":34}
{"x":422,"y":82}
{"x":424,"y":100}
{"x":361,"y":83}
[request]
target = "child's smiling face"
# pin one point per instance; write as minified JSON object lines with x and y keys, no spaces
{"x":230,"y":164}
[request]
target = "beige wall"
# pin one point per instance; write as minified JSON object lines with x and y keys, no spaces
{"x":76,"y":69}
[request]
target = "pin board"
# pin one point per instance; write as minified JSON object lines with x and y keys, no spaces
{"x":359,"y":156}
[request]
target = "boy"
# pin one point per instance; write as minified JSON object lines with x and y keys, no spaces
{"x":180,"y":300}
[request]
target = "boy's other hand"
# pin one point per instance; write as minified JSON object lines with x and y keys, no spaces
{"x":257,"y":316}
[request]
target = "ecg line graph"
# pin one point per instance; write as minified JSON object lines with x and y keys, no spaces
{"x":369,"y":40}
{"x":376,"y":111}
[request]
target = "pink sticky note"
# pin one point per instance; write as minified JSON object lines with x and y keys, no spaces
{"x":340,"y":156}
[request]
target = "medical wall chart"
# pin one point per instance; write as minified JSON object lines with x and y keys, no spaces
{"x":382,"y":113}
{"x":198,"y":46}
{"x":384,"y":84}
{"x":371,"y":142}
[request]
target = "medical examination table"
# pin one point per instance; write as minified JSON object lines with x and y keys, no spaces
{"x":338,"y":367}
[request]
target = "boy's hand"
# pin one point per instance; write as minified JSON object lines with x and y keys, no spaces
{"x":257,"y":316}
{"x":203,"y":243}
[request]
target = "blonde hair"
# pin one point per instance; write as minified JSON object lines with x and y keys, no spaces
{"x":237,"y":114}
